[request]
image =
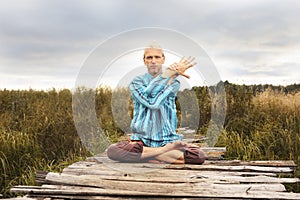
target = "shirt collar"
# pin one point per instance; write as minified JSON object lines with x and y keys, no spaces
{"x":148,"y":76}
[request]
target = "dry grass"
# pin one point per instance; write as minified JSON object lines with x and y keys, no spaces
{"x":270,"y":130}
{"x":37,"y":130}
{"x":270,"y":99}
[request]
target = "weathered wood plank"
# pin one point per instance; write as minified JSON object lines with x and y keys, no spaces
{"x":198,"y":177}
{"x":101,"y":178}
{"x":74,"y":192}
{"x":92,"y":181}
{"x":233,"y":168}
{"x":166,"y":173}
{"x":266,"y":163}
{"x":157,"y":184}
{"x":177,"y":176}
{"x":253,"y":187}
{"x":214,"y":153}
{"x":214,"y":149}
{"x":254,"y":179}
{"x":105,"y":169}
{"x":288,"y":167}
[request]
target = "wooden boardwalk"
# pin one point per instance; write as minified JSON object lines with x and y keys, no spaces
{"x":101,"y":178}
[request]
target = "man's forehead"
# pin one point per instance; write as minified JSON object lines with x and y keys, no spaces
{"x":153,"y":51}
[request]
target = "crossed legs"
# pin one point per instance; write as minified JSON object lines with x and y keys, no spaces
{"x":177,"y":152}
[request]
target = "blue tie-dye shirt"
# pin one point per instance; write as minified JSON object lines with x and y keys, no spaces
{"x":154,"y":117}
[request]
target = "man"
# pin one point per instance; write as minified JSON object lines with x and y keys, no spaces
{"x":154,"y":122}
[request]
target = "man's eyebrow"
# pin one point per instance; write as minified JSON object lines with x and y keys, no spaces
{"x":153,"y":56}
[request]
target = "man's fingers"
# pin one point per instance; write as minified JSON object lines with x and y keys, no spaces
{"x":172,"y":67}
{"x":187,"y":61}
{"x":185,"y":75}
{"x":190,"y":59}
{"x":184,"y":64}
{"x":191,"y":65}
{"x":181,"y":60}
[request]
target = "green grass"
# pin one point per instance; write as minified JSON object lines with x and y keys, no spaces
{"x":37,"y":130}
{"x":270,"y":130}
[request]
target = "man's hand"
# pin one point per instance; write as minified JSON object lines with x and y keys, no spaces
{"x":178,"y":68}
{"x":176,"y":145}
{"x":183,"y":65}
{"x":170,"y":71}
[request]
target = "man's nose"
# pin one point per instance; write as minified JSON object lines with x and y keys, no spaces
{"x":153,"y":60}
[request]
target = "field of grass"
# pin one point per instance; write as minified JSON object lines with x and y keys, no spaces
{"x":270,"y":130}
{"x":37,"y":130}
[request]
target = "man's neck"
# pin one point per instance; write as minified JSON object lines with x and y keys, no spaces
{"x":155,"y":75}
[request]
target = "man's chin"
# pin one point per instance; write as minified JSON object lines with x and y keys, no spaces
{"x":154,"y":73}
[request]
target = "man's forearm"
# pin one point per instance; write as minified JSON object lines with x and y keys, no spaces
{"x":158,"y":89}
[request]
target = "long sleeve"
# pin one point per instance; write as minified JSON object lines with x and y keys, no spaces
{"x":152,"y":94}
{"x":154,"y":117}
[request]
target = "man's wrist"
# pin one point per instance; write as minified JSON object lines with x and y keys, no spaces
{"x":169,"y":73}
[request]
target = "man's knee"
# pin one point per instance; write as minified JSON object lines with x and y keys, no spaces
{"x":194,"y":155}
{"x":125,"y":151}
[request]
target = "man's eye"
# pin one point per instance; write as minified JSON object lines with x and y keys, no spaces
{"x":151,"y":57}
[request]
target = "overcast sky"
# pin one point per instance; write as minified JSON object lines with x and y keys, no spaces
{"x":44,"y":43}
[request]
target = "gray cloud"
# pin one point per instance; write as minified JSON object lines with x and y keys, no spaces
{"x":52,"y":38}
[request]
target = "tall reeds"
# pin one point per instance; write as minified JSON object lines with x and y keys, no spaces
{"x":270,"y":129}
{"x":37,"y":130}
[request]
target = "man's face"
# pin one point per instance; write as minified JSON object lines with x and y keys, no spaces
{"x":154,"y":59}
